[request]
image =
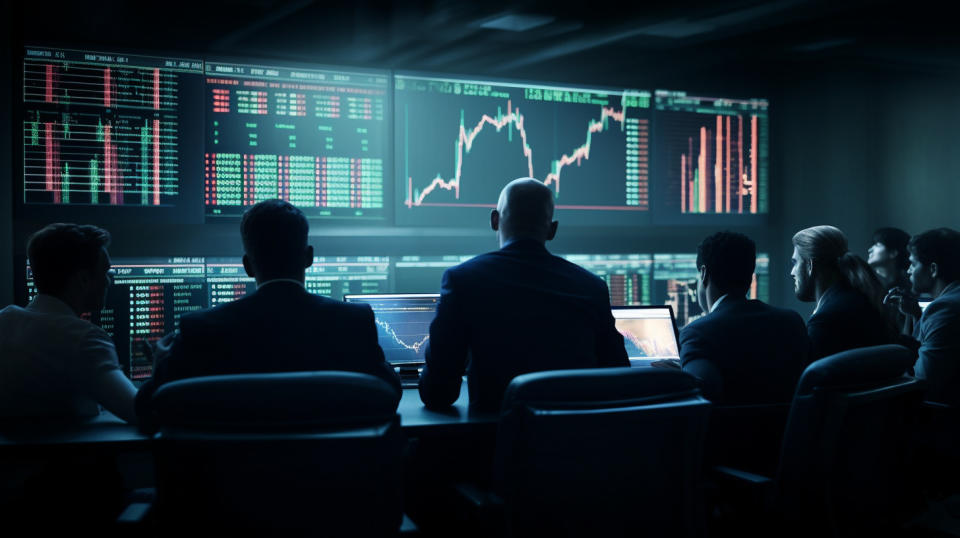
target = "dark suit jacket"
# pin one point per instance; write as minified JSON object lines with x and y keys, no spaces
{"x":279,"y":328}
{"x":754,"y":352}
{"x":514,"y":311}
{"x":846,"y":320}
{"x":939,"y":360}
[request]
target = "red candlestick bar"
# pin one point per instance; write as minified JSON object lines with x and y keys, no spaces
{"x":52,"y":179}
{"x":48,"y":88}
{"x":156,"y":161}
{"x":106,"y":88}
{"x":683,"y":183}
{"x":156,"y":89}
{"x":702,"y":167}
{"x":718,"y":170}
{"x":690,"y":173}
{"x":727,"y":183}
{"x":740,"y":160}
{"x":753,"y":164}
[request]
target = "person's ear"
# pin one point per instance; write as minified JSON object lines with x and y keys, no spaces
{"x":934,"y":270}
{"x":248,"y":267}
{"x":552,"y":232}
{"x":495,"y":220}
{"x":308,"y":256}
{"x":808,"y":265}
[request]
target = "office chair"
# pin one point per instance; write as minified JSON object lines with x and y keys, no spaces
{"x":844,"y":463}
{"x":597,"y":452}
{"x":317,"y":452}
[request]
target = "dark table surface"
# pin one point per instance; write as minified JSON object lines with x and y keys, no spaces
{"x":107,"y":431}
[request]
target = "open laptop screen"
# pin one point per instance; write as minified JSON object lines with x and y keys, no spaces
{"x":649,"y":332}
{"x":403,"y":323}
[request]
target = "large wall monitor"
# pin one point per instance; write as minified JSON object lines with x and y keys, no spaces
{"x":458,"y":141}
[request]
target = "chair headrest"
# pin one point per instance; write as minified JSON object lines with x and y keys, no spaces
{"x":277,"y":400}
{"x":856,"y":367}
{"x":598,"y":387}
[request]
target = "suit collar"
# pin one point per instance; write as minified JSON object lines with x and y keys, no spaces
{"x":523,"y":244}
{"x":729,"y":301}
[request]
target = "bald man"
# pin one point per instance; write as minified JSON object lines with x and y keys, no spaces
{"x":516,"y":310}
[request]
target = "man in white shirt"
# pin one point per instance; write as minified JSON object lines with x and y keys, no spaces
{"x":53,"y":363}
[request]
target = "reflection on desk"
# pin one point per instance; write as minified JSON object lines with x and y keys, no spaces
{"x":108,"y":431}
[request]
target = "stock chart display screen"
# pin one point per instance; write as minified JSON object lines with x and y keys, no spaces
{"x":316,"y":138}
{"x":711,"y":158}
{"x":105,"y":129}
{"x":458,"y":142}
{"x":403,"y":323}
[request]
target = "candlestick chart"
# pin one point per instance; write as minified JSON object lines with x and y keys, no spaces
{"x":711,"y":157}
{"x":102,"y":128}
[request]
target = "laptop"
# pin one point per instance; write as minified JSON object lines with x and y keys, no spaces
{"x":649,"y":333}
{"x":403,"y":328}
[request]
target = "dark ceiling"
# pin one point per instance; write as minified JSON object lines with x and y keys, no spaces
{"x":643,"y":43}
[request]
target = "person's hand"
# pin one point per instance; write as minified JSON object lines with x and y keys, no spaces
{"x":159,"y":349}
{"x":669,"y":364}
{"x":905,"y":301}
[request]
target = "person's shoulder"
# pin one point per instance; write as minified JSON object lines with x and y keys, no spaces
{"x":576,"y":271}
{"x":945,"y":308}
{"x":12,"y":310}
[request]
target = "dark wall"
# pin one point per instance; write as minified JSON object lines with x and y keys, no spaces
{"x":920,"y":176}
{"x":6,"y":187}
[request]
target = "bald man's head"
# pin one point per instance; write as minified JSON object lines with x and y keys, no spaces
{"x":525,"y":210}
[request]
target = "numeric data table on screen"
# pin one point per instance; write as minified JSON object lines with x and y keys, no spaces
{"x":314,"y":137}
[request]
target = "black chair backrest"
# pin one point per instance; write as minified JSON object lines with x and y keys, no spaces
{"x":844,"y":462}
{"x":602,"y":452}
{"x":307,"y":451}
{"x":746,"y":437}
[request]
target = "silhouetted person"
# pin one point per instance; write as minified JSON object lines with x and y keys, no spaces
{"x":849,"y":312}
{"x":516,"y":310}
{"x":935,"y":269}
{"x":889,"y":258}
{"x":53,"y":363}
{"x":279,"y":328}
{"x":744,"y":351}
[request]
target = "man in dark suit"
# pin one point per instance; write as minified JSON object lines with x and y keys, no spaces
{"x":516,"y":310}
{"x":744,"y":351}
{"x":935,"y":269}
{"x":280,"y":327}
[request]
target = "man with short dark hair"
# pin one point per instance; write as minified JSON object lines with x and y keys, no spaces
{"x":516,"y":310}
{"x":53,"y":363}
{"x":744,"y":351}
{"x":279,"y":328}
{"x":935,"y":269}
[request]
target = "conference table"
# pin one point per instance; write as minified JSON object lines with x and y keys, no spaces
{"x":107,"y":432}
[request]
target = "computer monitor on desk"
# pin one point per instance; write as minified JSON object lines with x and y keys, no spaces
{"x":403,"y":324}
{"x":649,"y":333}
